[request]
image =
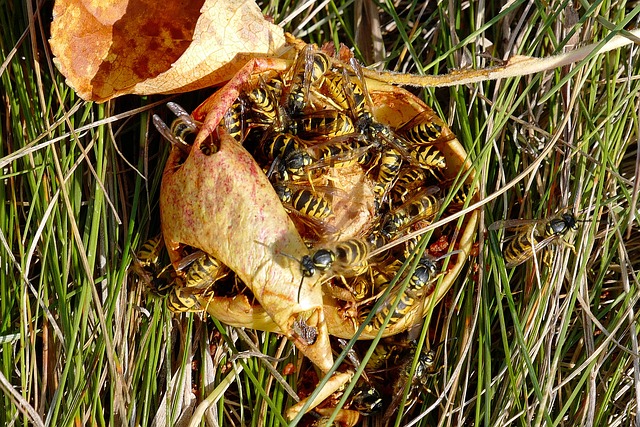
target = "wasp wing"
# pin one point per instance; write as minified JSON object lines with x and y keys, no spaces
{"x":516,"y":224}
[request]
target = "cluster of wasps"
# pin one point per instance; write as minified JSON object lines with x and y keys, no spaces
{"x":309,"y":128}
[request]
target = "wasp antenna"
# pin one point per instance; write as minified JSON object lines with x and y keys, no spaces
{"x":300,"y":288}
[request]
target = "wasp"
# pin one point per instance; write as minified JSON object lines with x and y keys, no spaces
{"x":390,"y":163}
{"x":347,"y":258}
{"x":334,"y":153}
{"x":325,"y":124}
{"x":235,"y":120}
{"x":357,"y":97}
{"x":421,"y":284}
{"x":424,"y":129}
{"x":202,"y":272}
{"x":376,"y":240}
{"x":181,"y":127}
{"x":148,"y":256}
{"x":147,"y":267}
{"x":340,"y":153}
{"x":408,"y":181}
{"x":350,"y":257}
{"x":426,"y":365}
{"x":311,"y":66}
{"x":165,"y":281}
{"x":292,"y":166}
{"x":335,"y":84}
{"x":280,"y":146}
{"x":318,"y":260}
{"x":428,"y":157}
{"x":422,"y":206}
{"x":258,"y":107}
{"x":303,"y":200}
{"x":350,"y":96}
{"x":182,"y":300}
{"x":265,"y":106}
{"x":533,"y":236}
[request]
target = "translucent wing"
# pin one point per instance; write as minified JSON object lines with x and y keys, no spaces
{"x":516,"y":224}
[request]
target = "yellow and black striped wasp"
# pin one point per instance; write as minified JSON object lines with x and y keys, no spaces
{"x":146,"y":265}
{"x":279,"y":146}
{"x":347,"y":258}
{"x":533,"y":236}
{"x":264,"y":109}
{"x":365,"y":397}
{"x":199,"y":271}
{"x":409,"y":180}
{"x":322,"y":125}
{"x":421,"y":284}
{"x":422,"y":206}
{"x":235,"y":120}
{"x":304,"y":199}
{"x":308,"y":74}
{"x":425,"y":366}
{"x":311,"y":204}
{"x":341,"y":151}
{"x":181,"y":127}
{"x":425,"y":128}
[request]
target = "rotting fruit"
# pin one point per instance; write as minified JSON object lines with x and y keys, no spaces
{"x":301,"y":179}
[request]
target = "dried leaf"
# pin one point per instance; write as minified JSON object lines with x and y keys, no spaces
{"x":147,"y":47}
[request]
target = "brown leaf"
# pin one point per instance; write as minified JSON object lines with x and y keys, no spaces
{"x":147,"y":47}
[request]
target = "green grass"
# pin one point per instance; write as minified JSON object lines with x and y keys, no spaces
{"x":550,"y":343}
